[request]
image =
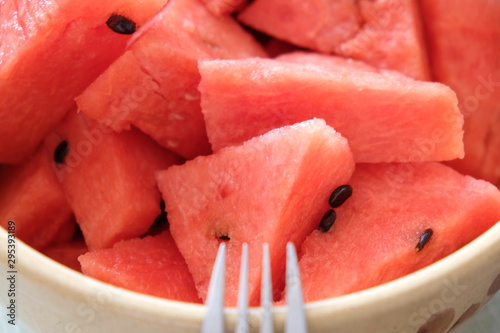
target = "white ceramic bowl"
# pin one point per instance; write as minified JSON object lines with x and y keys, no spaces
{"x":51,"y":298}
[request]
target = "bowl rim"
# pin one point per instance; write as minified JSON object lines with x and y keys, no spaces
{"x":48,"y":272}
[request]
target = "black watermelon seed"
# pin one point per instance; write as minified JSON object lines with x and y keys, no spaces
{"x":224,"y":238}
{"x":327,"y":221}
{"x":121,"y":24}
{"x":61,"y":152}
{"x":340,"y":195}
{"x":424,"y":239}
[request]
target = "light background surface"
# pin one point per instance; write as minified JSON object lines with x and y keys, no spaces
{"x":486,"y":320}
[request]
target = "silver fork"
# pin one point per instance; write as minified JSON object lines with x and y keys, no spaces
{"x":295,"y":318}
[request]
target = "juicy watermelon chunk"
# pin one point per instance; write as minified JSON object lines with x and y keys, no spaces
{"x":399,"y":119}
{"x":152,"y":265}
{"x":464,"y":51}
{"x":271,"y":189}
{"x":32,"y":197}
{"x":50,"y":51}
{"x":108,"y":178}
{"x":154,"y":85}
{"x":320,"y":25}
{"x":391,"y":37}
{"x":375,"y":236}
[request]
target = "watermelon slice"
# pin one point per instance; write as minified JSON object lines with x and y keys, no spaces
{"x":223,"y":198}
{"x":391,"y":38}
{"x":32,"y":197}
{"x":108,"y":178}
{"x":321,"y":25}
{"x":464,"y":52}
{"x":399,"y":119}
{"x":382,"y":231}
{"x":384,"y":33}
{"x":154,"y":85}
{"x":50,"y":51}
{"x":150,"y":265}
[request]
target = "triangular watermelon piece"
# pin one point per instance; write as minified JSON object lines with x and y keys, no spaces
{"x":154,"y":85}
{"x":271,"y":189}
{"x":108,"y":178}
{"x":50,"y":51}
{"x":464,"y":51}
{"x":382,"y":231}
{"x":152,"y":265}
{"x":391,"y":37}
{"x":386,"y":118}
{"x":32,"y":197}
{"x":321,"y":25}
{"x":384,"y":33}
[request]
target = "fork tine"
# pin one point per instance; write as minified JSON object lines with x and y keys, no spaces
{"x":296,"y":319}
{"x":266,"y":297}
{"x":214,"y":318}
{"x":242,"y":323}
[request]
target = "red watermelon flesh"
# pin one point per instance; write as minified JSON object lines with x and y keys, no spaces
{"x":328,"y":62}
{"x":464,"y":51}
{"x":32,"y":197}
{"x":275,"y":47}
{"x":223,"y":197}
{"x":391,"y":37}
{"x":386,"y":118}
{"x":224,"y":7}
{"x":333,"y":63}
{"x":50,"y":51}
{"x":376,"y":232}
{"x":154,"y":85}
{"x":320,"y":25}
{"x":152,"y":265}
{"x":108,"y":178}
{"x":491,"y":162}
{"x":67,"y":232}
{"x":67,"y":253}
